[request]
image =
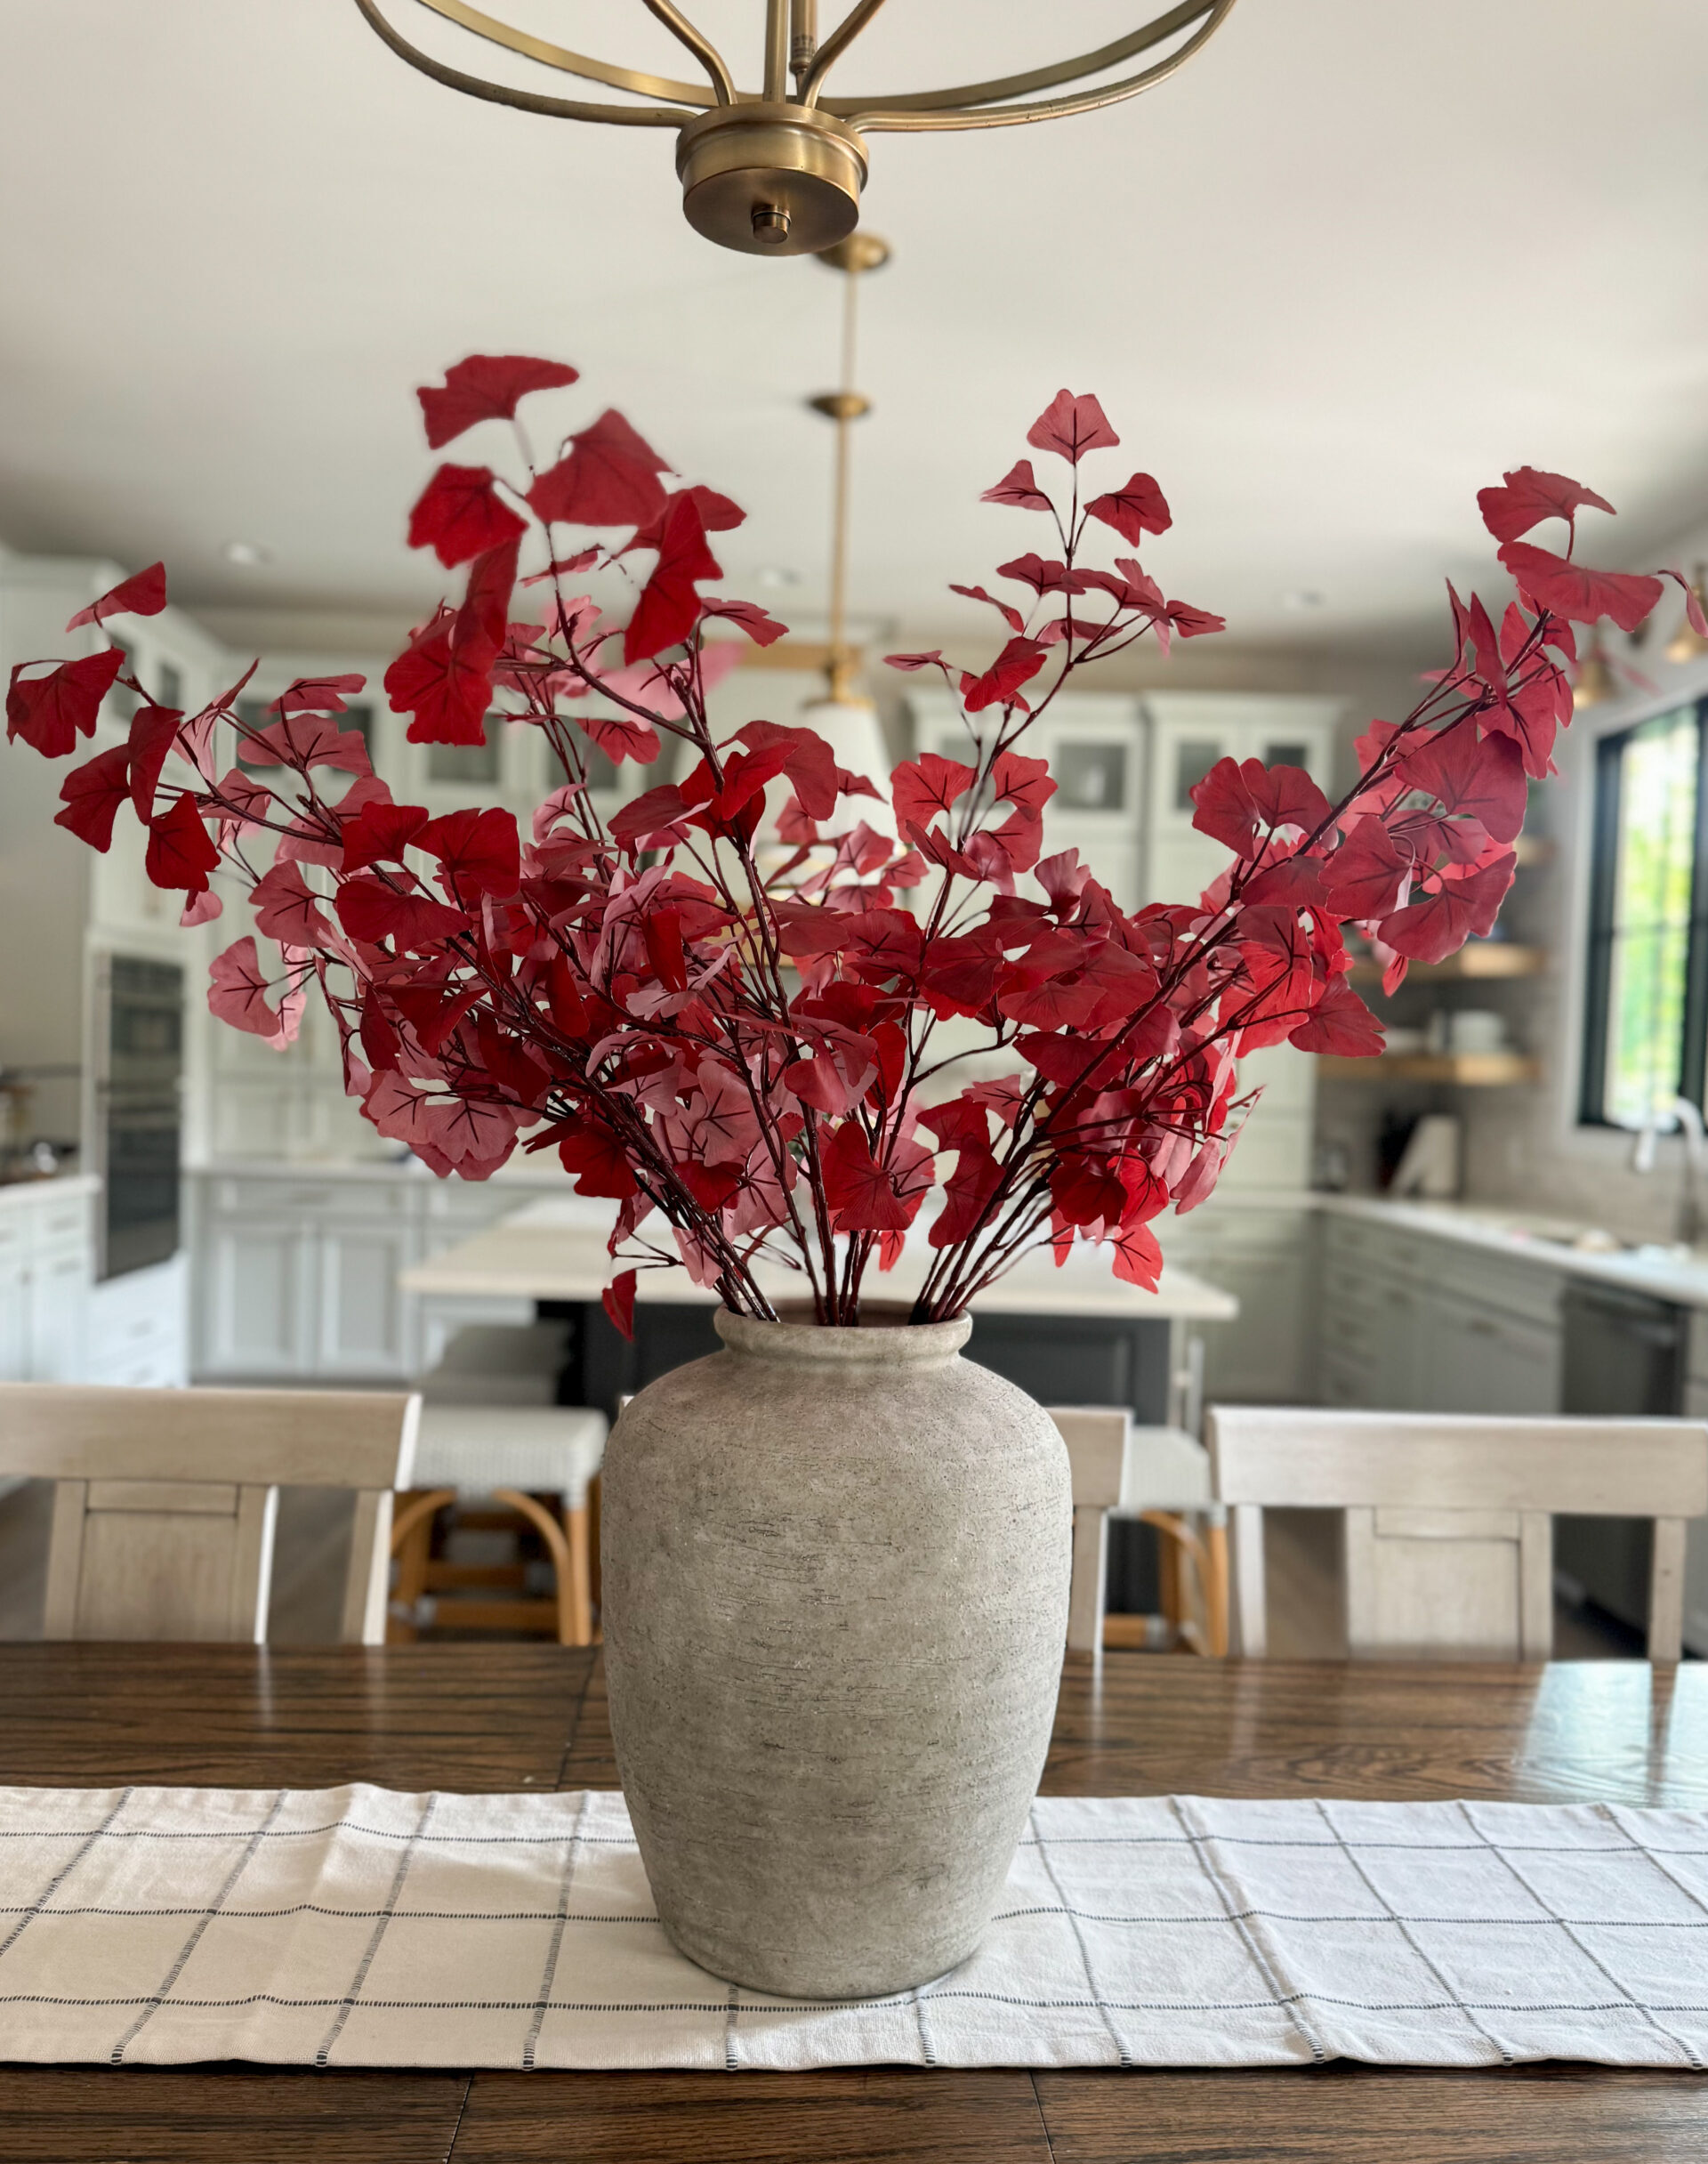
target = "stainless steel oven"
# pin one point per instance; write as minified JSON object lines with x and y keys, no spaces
{"x":139,"y":1113}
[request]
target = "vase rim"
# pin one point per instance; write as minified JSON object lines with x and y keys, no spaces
{"x":882,"y":1338}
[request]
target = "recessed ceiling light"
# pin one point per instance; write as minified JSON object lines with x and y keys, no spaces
{"x":1304,"y":597}
{"x":778,"y":575}
{"x":249,"y":553}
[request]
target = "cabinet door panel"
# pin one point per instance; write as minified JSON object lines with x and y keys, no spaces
{"x":364,"y":1317}
{"x":257,"y":1299}
{"x":14,"y":1322}
{"x":59,"y":1313}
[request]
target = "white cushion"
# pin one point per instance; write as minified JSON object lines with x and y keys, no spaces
{"x":474,"y":1448}
{"x":1165,"y":1468}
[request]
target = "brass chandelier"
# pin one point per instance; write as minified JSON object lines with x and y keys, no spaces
{"x":778,"y":171}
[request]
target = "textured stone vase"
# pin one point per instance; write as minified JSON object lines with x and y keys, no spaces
{"x":835,"y":1597}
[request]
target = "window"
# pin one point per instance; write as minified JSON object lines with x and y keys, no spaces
{"x":468,"y":764}
{"x":1647,"y":1013}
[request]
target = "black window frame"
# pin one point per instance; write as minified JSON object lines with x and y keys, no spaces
{"x":1604,"y":867}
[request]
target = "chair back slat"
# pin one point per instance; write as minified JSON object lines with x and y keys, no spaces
{"x":165,"y":1501}
{"x":1449,"y":1518}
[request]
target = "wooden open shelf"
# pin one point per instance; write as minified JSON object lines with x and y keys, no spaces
{"x":1464,"y":1069}
{"x":1481,"y":959}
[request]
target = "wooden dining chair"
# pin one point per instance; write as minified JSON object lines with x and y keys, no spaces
{"x":165,"y":1500}
{"x":1448,"y":1517}
{"x":1161,"y":1476}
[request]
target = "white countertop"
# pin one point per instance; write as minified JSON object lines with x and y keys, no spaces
{"x":551,"y":1251}
{"x":62,"y":1186}
{"x":1543,"y":1242}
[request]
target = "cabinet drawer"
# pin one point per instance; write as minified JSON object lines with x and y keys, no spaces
{"x":62,"y":1224}
{"x":309,"y":1201}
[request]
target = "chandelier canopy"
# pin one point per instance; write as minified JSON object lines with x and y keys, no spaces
{"x":778,"y":171}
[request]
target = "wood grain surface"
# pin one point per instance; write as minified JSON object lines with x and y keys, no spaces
{"x":514,"y":1717}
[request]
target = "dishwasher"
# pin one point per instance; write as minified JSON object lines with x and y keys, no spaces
{"x":1624,"y":1355}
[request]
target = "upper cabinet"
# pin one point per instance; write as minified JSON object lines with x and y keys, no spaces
{"x":1189,"y":733}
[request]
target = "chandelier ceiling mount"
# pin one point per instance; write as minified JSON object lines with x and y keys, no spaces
{"x":779,"y":170}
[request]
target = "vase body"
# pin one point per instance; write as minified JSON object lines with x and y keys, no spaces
{"x":835,"y":1570}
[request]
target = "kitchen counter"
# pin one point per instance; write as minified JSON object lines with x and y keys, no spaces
{"x":551,"y":1250}
{"x":60,"y":1187}
{"x":1525,"y":1236}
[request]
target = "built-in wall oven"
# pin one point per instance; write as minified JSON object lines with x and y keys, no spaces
{"x":139,"y":1039}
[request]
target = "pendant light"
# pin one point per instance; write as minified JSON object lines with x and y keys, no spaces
{"x":778,"y":171}
{"x":844,"y":716}
{"x":1686,"y":644}
{"x":1593,"y":685}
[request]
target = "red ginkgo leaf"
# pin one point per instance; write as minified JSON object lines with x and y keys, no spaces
{"x":459,"y":515}
{"x":565,"y":567}
{"x":1581,"y":595}
{"x":154,"y":731}
{"x":761,"y":629}
{"x":480,"y":851}
{"x":486,"y":387}
{"x":316,"y":695}
{"x":1135,"y":509}
{"x":1137,"y":1257}
{"x":1480,"y":776}
{"x":289,"y":910}
{"x":909,"y":663}
{"x":1044,"y":578}
{"x":1018,"y":662}
{"x":181,"y":851}
{"x":611,"y":478}
{"x":1363,"y":877}
{"x":1431,"y":929}
{"x":1018,"y":487}
{"x":719,"y":514}
{"x":669,"y":607}
{"x":865,"y":1196}
{"x":804,"y":756}
{"x":144,"y":593}
{"x":371,"y":911}
{"x":1239,"y":804}
{"x":1071,"y":426}
{"x":1528,"y":496}
{"x":237,"y":988}
{"x":92,"y":794}
{"x":303,"y":740}
{"x":445,"y":687}
{"x":617,"y":1300}
{"x":379,"y":834}
{"x":1011,"y":616}
{"x":921,"y":788}
{"x":1693,"y":611}
{"x":1340,"y":1023}
{"x":51,"y":712}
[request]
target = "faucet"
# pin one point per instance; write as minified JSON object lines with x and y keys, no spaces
{"x":1688,"y":1117}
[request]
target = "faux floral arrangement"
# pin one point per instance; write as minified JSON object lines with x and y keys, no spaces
{"x":744,"y":1039}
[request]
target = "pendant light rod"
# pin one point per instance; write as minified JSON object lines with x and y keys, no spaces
{"x":853,"y":257}
{"x":833,"y":47}
{"x":701,"y":46}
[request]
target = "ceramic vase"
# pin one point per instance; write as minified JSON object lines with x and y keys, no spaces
{"x":835,"y":1571}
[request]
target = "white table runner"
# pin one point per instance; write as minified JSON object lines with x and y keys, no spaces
{"x":357,"y":1927}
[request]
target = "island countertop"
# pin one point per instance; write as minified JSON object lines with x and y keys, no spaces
{"x":555,"y":1250}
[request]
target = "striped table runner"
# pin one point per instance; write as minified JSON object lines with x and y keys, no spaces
{"x":357,"y":1927}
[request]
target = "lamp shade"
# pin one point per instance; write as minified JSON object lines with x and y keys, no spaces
{"x":850,"y":727}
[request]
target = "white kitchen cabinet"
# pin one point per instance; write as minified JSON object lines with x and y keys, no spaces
{"x":139,"y":1327}
{"x":297,"y":1271}
{"x":46,"y":1266}
{"x":1266,"y":1257}
{"x":1415,"y":1324}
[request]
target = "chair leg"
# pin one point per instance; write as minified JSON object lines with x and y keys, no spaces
{"x":575,"y":1626}
{"x":411,"y":1536}
{"x":1215,"y":1588}
{"x":595,"y":1581}
{"x":1181,"y":1545}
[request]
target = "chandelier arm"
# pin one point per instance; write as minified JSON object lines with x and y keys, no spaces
{"x":833,"y":47}
{"x":698,"y":44}
{"x":896,"y":122}
{"x":501,"y":93}
{"x":1037,"y":78}
{"x":581,"y":64}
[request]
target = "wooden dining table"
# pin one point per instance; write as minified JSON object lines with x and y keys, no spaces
{"x":507,"y":1718}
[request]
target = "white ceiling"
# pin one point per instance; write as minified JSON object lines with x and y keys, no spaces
{"x":1354,"y":261}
